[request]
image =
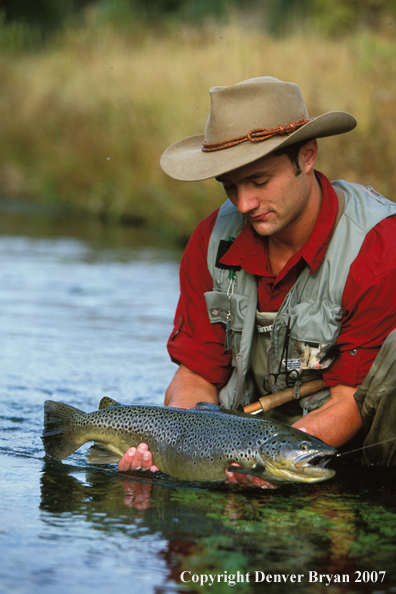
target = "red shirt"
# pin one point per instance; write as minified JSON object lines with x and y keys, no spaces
{"x":368,"y":301}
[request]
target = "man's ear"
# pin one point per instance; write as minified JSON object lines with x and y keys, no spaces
{"x":308,"y":154}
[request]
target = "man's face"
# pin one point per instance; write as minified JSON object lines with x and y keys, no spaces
{"x":269,"y":193}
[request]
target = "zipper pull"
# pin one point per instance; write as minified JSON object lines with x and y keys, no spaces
{"x":228,"y":333}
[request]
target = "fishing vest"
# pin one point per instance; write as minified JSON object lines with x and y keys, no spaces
{"x":311,"y":311}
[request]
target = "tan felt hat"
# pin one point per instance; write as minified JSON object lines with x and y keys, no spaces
{"x":246,"y":122}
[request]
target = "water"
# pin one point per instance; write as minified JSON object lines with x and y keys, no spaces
{"x":85,"y":311}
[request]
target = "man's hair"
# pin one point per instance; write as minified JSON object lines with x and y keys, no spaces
{"x":292,"y":152}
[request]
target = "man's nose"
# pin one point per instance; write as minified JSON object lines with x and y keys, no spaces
{"x":246,"y":199}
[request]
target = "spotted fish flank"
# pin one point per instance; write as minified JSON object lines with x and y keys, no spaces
{"x":197,"y":444}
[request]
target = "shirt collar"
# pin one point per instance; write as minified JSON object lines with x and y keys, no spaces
{"x":249,"y":250}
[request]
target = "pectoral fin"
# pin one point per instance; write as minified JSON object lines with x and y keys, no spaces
{"x":242,"y":470}
{"x":101,"y":454}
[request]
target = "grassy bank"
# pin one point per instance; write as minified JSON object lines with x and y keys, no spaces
{"x":85,"y":120}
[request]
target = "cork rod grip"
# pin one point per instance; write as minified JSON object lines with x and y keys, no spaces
{"x":273,"y":400}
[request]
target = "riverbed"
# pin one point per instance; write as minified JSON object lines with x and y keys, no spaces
{"x":85,"y":312}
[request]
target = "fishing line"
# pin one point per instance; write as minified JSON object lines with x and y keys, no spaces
{"x":365,"y":447}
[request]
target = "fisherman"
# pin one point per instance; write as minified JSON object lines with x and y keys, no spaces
{"x":291,"y":279}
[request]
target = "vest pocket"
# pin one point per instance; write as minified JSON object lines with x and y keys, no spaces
{"x":219,"y":305}
{"x":314,"y":320}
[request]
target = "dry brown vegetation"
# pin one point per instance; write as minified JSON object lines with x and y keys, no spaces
{"x":85,"y":120}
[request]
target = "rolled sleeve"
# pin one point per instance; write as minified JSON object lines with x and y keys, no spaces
{"x":195,"y":342}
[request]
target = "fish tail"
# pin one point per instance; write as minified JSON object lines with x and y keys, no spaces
{"x":59,"y":438}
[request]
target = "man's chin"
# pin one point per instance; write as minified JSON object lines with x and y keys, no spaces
{"x":263,"y":228}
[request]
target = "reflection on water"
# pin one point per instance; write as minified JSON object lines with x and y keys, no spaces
{"x":85,"y":312}
{"x":326,"y":528}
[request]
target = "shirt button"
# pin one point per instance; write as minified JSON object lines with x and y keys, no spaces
{"x":353,"y":352}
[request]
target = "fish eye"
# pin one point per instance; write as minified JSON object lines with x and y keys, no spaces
{"x":304,"y":446}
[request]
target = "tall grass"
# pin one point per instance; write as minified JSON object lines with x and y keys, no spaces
{"x":85,"y":120}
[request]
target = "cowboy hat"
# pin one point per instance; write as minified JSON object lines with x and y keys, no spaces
{"x":246,"y":122}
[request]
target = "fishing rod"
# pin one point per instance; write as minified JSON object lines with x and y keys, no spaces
{"x":270,"y":401}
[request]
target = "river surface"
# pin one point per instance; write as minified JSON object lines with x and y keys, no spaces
{"x":85,"y":312}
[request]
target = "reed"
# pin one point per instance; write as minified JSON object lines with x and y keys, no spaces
{"x":85,"y":120}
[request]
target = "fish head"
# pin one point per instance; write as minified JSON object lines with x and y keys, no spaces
{"x":295,"y":456}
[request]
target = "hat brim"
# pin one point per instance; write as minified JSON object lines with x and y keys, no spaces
{"x":185,"y":160}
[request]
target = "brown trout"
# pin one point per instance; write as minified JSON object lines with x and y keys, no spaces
{"x":198,"y":444}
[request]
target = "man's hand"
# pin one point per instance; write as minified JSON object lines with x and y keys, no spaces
{"x":337,"y":421}
{"x":139,"y":458}
{"x":245,"y":479}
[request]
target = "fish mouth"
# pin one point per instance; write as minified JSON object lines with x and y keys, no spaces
{"x":315,"y":461}
{"x":309,"y":467}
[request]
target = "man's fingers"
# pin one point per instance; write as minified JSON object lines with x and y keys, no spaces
{"x":126,"y":461}
{"x":147,"y":462}
{"x":234,"y":477}
{"x":137,"y":459}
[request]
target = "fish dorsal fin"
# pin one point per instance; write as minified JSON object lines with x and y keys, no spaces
{"x":107,"y":402}
{"x":207,"y":406}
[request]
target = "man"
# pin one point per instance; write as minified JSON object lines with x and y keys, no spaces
{"x":291,"y":280}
